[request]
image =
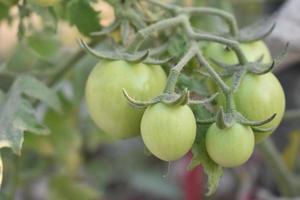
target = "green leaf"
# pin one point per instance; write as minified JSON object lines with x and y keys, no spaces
{"x":177,"y":45}
{"x":36,"y":89}
{"x":193,"y":84}
{"x":200,"y":155}
{"x":65,"y":187}
{"x":17,"y":115}
{"x":83,"y":16}
{"x":43,"y":44}
{"x":63,"y":145}
{"x":4,"y":10}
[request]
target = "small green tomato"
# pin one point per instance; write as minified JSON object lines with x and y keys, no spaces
{"x":168,"y":131}
{"x":230,"y":147}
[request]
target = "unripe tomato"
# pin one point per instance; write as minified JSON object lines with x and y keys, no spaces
{"x":259,"y":97}
{"x":46,"y":3}
{"x":106,"y":103}
{"x":252,"y":51}
{"x":229,"y":147}
{"x":219,"y":52}
{"x":168,"y":131}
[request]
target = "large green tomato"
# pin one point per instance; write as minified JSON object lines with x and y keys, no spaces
{"x":259,"y":97}
{"x":168,"y":131}
{"x":46,"y":3}
{"x":219,"y":52}
{"x":106,"y":103}
{"x":229,"y":147}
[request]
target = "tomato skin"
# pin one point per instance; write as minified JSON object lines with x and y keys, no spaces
{"x":259,"y":97}
{"x":252,"y":51}
{"x":219,"y":52}
{"x":168,"y":131}
{"x":106,"y":103}
{"x":230,"y":147}
{"x":46,"y":3}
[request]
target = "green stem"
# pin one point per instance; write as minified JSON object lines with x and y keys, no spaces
{"x":174,"y":73}
{"x":146,"y":32}
{"x":69,"y":64}
{"x":163,"y":5}
{"x":171,"y":82}
{"x":202,"y":61}
{"x":229,"y":106}
{"x":234,"y":45}
{"x":228,"y":17}
{"x":281,"y":174}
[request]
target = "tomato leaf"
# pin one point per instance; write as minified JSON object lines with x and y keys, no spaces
{"x":193,"y":84}
{"x":83,"y":16}
{"x":201,"y":157}
{"x":4,"y":10}
{"x":66,"y":187}
{"x":16,"y":113}
{"x":43,"y":44}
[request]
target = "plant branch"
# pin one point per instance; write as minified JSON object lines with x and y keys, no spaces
{"x":234,"y":45}
{"x":156,"y":27}
{"x":282,"y":175}
{"x":175,"y":71}
{"x":203,"y":62}
{"x":69,"y":64}
{"x":228,"y":17}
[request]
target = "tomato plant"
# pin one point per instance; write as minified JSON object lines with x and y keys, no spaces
{"x":148,"y":77}
{"x":168,"y":131}
{"x":230,"y":147}
{"x":106,"y":103}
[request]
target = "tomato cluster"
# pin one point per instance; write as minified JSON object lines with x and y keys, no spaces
{"x":168,"y":129}
{"x":257,"y":98}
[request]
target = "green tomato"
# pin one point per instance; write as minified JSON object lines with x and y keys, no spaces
{"x":259,"y":97}
{"x":252,"y":51}
{"x":105,"y":100}
{"x":229,"y":147}
{"x":219,"y":52}
{"x":168,"y":131}
{"x":46,"y":3}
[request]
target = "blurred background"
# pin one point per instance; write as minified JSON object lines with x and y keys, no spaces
{"x":78,"y":161}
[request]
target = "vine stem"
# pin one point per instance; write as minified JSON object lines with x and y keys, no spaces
{"x":202,"y":61}
{"x":158,"y":26}
{"x":174,"y":73}
{"x":228,"y":17}
{"x":282,"y":175}
{"x":69,"y":64}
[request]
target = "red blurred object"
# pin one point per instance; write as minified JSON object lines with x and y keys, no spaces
{"x":192,"y":181}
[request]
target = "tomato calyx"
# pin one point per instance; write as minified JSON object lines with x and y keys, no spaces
{"x":227,"y":119}
{"x":144,"y":56}
{"x":168,"y":98}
